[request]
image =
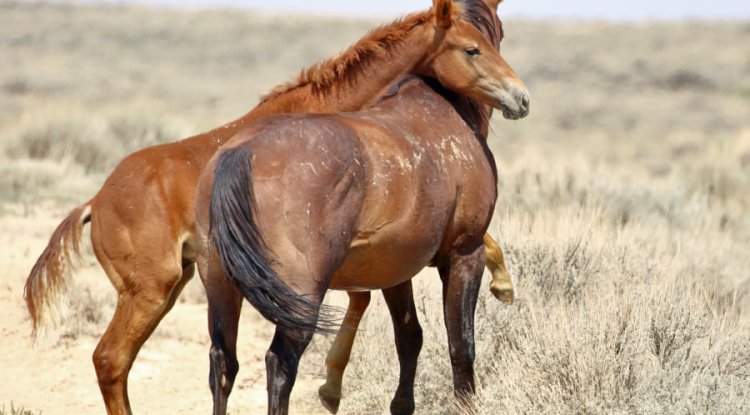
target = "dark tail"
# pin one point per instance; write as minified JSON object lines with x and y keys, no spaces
{"x":244,"y":254}
{"x":49,"y":279}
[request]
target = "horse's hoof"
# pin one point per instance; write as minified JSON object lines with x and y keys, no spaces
{"x":330,"y":398}
{"x":503,"y":291}
{"x":402,"y":406}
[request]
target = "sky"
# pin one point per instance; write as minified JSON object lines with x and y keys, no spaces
{"x":572,"y":9}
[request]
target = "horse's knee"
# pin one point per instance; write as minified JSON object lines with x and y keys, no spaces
{"x":416,"y":336}
{"x":110,"y":367}
{"x":411,"y":338}
{"x":414,"y":340}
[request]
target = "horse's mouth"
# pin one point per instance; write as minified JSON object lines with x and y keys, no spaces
{"x":512,"y":115}
{"x":514,"y":106}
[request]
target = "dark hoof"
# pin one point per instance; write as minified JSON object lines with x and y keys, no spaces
{"x":402,"y":406}
{"x":330,"y":397}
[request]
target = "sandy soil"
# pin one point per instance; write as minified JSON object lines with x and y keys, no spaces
{"x":56,"y":376}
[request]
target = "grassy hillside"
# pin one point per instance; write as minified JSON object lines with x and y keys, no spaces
{"x":624,"y":197}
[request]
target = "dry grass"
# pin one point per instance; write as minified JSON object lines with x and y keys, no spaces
{"x":16,"y":411}
{"x":644,"y":315}
{"x":624,"y":205}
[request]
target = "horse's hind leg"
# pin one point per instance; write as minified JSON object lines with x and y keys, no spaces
{"x":408,"y":333}
{"x":282,"y":360}
{"x":137,"y":314}
{"x":462,"y":277}
{"x":224,"y":306}
{"x":338,"y":356}
{"x":501,"y":286}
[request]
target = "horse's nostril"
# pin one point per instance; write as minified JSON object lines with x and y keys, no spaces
{"x":525,"y":102}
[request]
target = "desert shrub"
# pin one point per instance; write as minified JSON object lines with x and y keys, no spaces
{"x":686,"y":79}
{"x":61,"y":140}
{"x":551,"y":272}
{"x":86,"y":314}
{"x":13,"y":410}
{"x":94,"y":144}
{"x":18,"y":178}
{"x":65,"y":158}
{"x":17,"y":86}
{"x":134,"y":132}
{"x":29,"y":181}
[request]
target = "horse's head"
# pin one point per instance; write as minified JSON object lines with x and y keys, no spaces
{"x":466,"y":61}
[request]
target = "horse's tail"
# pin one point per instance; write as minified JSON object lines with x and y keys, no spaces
{"x":50,"y":277}
{"x":243,"y":252}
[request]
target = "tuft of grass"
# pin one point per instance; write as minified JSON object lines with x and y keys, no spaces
{"x":17,"y":411}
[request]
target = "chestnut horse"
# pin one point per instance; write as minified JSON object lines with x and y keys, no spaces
{"x":295,"y":205}
{"x":143,"y":222}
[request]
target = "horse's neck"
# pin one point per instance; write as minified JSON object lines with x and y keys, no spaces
{"x":476,"y":115}
{"x":356,"y":88}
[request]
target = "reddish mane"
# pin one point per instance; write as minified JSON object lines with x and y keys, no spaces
{"x":355,"y":61}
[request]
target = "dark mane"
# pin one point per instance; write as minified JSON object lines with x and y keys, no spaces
{"x":476,"y":114}
{"x":481,"y":15}
{"x":355,"y":61}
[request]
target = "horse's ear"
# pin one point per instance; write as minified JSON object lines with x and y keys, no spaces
{"x":494,"y":3}
{"x":443,"y":13}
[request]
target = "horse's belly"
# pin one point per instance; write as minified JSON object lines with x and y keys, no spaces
{"x":383,"y":261}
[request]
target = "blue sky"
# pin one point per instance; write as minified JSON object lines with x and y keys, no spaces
{"x":576,"y":9}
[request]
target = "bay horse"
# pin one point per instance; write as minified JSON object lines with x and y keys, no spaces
{"x":142,"y":219}
{"x":295,"y":205}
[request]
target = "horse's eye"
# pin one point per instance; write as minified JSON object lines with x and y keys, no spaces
{"x":472,"y":51}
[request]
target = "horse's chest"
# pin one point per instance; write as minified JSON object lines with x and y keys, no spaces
{"x":416,"y":200}
{"x":476,"y":192}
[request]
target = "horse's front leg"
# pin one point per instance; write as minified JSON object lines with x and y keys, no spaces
{"x":501,"y":285}
{"x":461,"y":278}
{"x":408,"y":335}
{"x":341,"y":349}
